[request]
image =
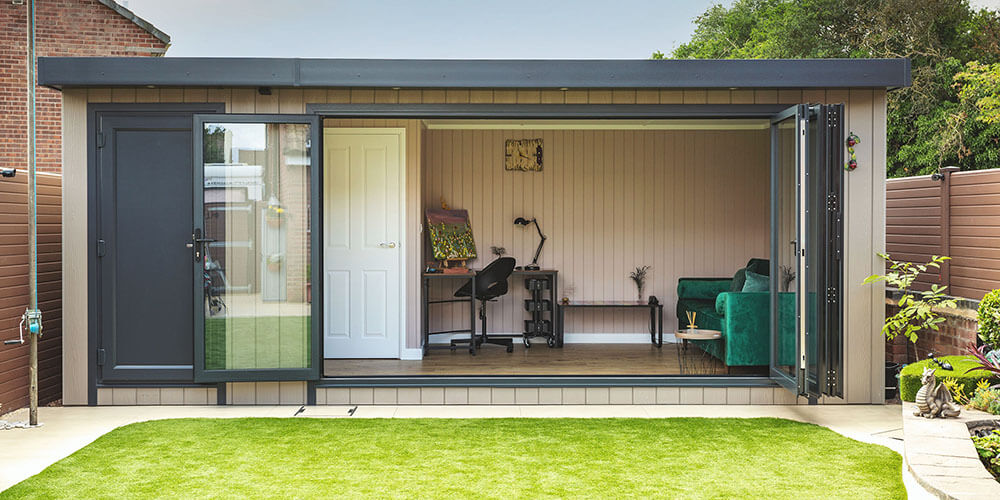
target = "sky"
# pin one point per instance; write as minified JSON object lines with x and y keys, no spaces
{"x":427,"y":29}
{"x":422,"y":29}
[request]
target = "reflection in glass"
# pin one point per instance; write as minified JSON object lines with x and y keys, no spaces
{"x":257,"y":272}
{"x":786,"y":283}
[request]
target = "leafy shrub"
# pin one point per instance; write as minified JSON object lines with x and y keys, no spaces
{"x":989,"y":319}
{"x":916,"y":309}
{"x":985,"y":398}
{"x":909,"y":377}
{"x":988,"y":447}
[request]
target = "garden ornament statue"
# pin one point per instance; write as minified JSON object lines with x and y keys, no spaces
{"x":933,"y":399}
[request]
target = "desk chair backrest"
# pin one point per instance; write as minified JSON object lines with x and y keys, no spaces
{"x":491,"y":282}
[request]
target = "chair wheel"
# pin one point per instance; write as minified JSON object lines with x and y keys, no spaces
{"x":453,"y":347}
{"x":510,"y":348}
{"x":551,"y":342}
{"x":527,"y":343}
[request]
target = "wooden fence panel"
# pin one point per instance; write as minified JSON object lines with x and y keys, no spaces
{"x":955,"y":214}
{"x":14,"y":288}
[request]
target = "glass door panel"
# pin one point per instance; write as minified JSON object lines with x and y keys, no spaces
{"x":255,"y":183}
{"x":806,"y":247}
{"x":786,"y":149}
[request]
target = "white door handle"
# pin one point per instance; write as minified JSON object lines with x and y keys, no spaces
{"x":387,"y":244}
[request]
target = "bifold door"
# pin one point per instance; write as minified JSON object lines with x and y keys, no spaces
{"x":254,"y":247}
{"x":806,"y":250}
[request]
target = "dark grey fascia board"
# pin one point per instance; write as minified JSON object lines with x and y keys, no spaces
{"x":59,"y":72}
{"x":545,"y":111}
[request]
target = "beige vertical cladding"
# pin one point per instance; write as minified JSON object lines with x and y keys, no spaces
{"x":864,"y":204}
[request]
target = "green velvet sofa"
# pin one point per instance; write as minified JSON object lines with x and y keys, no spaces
{"x":742,"y":317}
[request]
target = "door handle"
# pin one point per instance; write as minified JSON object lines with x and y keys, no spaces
{"x":198,"y":244}
{"x":387,"y":244}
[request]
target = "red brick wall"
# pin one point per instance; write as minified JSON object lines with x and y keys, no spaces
{"x":63,"y":28}
{"x":952,"y":338}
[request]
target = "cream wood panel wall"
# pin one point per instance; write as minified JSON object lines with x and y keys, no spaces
{"x":687,"y":203}
{"x":864,"y":348}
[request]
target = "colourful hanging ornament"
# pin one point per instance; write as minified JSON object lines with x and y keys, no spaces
{"x":852,"y":162}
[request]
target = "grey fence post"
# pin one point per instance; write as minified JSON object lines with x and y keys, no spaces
{"x":946,"y":173}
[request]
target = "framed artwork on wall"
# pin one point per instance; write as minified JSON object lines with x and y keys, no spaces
{"x":523,"y":154}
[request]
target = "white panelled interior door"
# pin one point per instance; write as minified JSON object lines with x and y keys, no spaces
{"x":363,"y":217}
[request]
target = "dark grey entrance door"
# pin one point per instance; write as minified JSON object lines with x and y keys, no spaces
{"x":143,"y":181}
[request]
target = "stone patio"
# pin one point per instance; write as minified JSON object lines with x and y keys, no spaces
{"x":940,"y":455}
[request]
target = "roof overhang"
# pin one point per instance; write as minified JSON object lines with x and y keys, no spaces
{"x":60,"y":72}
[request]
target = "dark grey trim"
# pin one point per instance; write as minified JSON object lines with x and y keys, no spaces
{"x":142,"y":23}
{"x":546,"y":111}
{"x":316,"y":215}
{"x":436,"y":73}
{"x":94,"y":112}
{"x":220,"y":394}
{"x":552,"y":381}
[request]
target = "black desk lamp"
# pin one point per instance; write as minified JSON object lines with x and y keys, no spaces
{"x":521,"y":221}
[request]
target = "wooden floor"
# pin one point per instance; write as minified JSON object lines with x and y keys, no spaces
{"x":572,"y":359}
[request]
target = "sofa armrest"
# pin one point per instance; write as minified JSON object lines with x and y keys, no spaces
{"x":702,"y":288}
{"x":746,"y":324}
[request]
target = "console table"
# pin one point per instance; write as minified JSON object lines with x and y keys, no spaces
{"x":654,"y":306}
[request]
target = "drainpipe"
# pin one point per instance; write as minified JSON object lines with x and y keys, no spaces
{"x":32,"y":316}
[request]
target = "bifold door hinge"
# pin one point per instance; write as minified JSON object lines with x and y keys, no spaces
{"x":99,"y":140}
{"x":101,"y":248}
{"x":101,"y":357}
{"x":831,"y":380}
{"x":831,"y":203}
{"x":831,"y":295}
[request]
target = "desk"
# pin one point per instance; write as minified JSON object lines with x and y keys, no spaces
{"x":425,"y":331}
{"x":537,"y":315}
{"x":654,"y":306}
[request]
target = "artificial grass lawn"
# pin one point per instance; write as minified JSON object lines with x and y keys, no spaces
{"x":472,"y":458}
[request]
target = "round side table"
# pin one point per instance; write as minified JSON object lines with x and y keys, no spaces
{"x":694,"y":360}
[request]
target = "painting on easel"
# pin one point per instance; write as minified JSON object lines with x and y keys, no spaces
{"x":451,"y":236}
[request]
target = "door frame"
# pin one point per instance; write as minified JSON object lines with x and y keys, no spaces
{"x":95,"y":114}
{"x":404,"y":280}
{"x":316,"y":259}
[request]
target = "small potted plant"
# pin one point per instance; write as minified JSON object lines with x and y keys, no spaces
{"x":274,"y":262}
{"x":639,"y":277}
{"x":274,"y":213}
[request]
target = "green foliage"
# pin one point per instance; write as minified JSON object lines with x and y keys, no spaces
{"x":461,"y":458}
{"x":957,"y":390}
{"x":926,"y":127}
{"x":909,"y":376}
{"x":988,"y":448}
{"x":916,"y":309}
{"x":988,"y":317}
{"x":985,"y":398}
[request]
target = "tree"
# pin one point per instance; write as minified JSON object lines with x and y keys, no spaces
{"x":939,"y":36}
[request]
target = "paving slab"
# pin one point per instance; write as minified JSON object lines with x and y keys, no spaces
{"x":941,"y":456}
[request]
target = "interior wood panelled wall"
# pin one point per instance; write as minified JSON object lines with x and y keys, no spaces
{"x":686,"y":202}
{"x":865,"y":200}
{"x":14,"y":288}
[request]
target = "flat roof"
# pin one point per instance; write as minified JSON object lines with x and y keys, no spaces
{"x":61,"y":72}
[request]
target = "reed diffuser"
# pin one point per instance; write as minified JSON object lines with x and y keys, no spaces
{"x":691,"y":316}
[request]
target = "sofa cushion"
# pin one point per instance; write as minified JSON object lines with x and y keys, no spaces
{"x":707,"y":317}
{"x":738,"y":280}
{"x":702,"y":288}
{"x":756,"y":283}
{"x":759,"y":266}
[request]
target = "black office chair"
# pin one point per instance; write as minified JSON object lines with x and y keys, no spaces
{"x":491,"y":283}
